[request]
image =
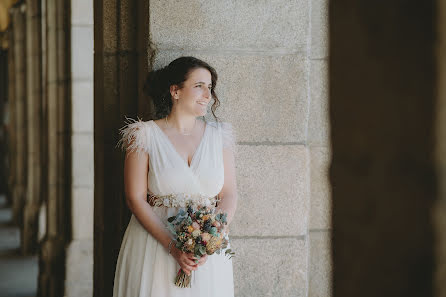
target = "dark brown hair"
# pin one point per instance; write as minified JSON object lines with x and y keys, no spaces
{"x":157,"y":85}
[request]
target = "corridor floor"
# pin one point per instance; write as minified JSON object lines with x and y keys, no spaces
{"x":18,"y":274}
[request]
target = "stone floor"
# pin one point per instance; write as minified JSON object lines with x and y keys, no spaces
{"x":18,"y":274}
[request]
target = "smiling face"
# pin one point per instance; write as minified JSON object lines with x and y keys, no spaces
{"x":195,"y":95}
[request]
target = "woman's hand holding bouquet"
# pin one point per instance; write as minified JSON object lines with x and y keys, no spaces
{"x":187,"y":260}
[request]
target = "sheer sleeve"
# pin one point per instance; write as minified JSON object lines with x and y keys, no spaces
{"x":134,"y":136}
{"x":228,"y":194}
{"x":228,"y":136}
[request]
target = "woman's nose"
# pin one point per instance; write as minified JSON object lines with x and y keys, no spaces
{"x":207,"y":94}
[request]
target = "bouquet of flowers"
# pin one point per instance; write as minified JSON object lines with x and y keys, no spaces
{"x":199,"y":232}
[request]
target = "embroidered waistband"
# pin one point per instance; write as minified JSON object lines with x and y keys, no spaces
{"x":181,"y":200}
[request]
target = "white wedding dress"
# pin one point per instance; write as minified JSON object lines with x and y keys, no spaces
{"x":144,"y":267}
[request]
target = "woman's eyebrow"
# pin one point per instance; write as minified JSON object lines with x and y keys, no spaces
{"x":200,"y":82}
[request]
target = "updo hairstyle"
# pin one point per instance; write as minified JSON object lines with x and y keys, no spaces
{"x":157,"y":85}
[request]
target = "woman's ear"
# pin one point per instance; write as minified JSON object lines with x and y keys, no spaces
{"x":174,"y":91}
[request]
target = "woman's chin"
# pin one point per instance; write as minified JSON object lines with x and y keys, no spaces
{"x":201,"y":113}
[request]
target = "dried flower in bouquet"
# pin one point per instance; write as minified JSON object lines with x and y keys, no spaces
{"x":200,"y":232}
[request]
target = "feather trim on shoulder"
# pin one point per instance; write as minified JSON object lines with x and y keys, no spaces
{"x":134,"y":136}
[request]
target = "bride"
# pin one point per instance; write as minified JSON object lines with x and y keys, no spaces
{"x":177,"y":156}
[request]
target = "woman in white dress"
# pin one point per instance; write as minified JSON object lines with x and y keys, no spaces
{"x":176,"y":158}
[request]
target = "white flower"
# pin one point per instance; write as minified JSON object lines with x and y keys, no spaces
{"x":166,"y":202}
{"x":182,"y":203}
{"x":196,"y":233}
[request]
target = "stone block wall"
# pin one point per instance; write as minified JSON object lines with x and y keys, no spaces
{"x":272,"y":63}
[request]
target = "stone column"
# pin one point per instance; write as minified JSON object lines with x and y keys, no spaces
{"x":34,"y":124}
{"x":58,"y":127}
{"x":4,"y":89}
{"x":44,"y":128}
{"x":120,"y":63}
{"x":320,"y":154}
{"x":382,"y":111}
{"x":20,"y":107}
{"x":79,"y":258}
{"x":12,"y":130}
{"x":440,"y":207}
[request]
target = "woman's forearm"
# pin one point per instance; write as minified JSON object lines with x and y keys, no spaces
{"x":149,"y":220}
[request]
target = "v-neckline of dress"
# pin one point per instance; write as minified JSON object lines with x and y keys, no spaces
{"x":186,"y":163}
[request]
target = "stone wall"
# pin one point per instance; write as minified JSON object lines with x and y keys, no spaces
{"x":272,"y":63}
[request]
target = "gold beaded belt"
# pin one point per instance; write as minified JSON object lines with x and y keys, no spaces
{"x":181,"y":200}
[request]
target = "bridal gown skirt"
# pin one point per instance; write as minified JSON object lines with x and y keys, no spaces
{"x":145,"y":269}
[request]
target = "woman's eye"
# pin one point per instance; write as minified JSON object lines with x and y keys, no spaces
{"x":199,"y":86}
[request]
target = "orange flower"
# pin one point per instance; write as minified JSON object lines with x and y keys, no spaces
{"x":190,"y":229}
{"x":213,"y":245}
